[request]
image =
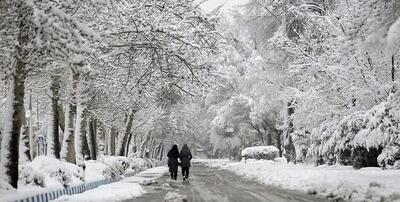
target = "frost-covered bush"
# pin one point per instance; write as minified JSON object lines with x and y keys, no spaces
{"x":117,"y":166}
{"x":260,"y":152}
{"x":29,"y":176}
{"x":55,"y":172}
{"x":390,"y":157}
{"x":363,"y":133}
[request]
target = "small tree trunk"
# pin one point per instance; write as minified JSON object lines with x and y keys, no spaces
{"x":112,"y":141}
{"x":91,"y":137}
{"x":143,"y":145}
{"x":393,"y":73}
{"x":53,"y":142}
{"x":24,"y":145}
{"x":127,"y":130}
{"x":68,"y":148}
{"x":61,"y":118}
{"x":288,"y":144}
{"x":81,"y":148}
{"x":160,"y":155}
{"x":32,"y":152}
{"x":128,"y":144}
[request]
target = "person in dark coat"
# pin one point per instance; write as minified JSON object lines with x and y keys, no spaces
{"x":185,"y":157}
{"x":173,"y":163}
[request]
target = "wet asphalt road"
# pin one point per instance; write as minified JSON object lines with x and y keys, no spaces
{"x":212,"y":185}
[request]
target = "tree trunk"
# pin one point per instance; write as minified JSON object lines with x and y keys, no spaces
{"x":288,"y":144}
{"x":112,"y":141}
{"x":24,"y":145}
{"x":32,"y":143}
{"x":91,"y":137}
{"x":15,"y":116}
{"x":68,"y":149}
{"x":127,"y":130}
{"x":160,"y":155}
{"x":53,"y":142}
{"x":61,"y":118}
{"x":80,"y":135}
{"x":156,"y":151}
{"x":128,"y":144}
{"x":143,"y":146}
{"x":393,"y":74}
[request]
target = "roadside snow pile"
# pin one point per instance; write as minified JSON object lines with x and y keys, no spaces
{"x":260,"y":152}
{"x":118,"y":191}
{"x":46,"y":174}
{"x":174,"y":197}
{"x":115,"y":167}
{"x":50,"y":172}
{"x":336,"y":182}
{"x":126,"y":189}
{"x":5,"y":187}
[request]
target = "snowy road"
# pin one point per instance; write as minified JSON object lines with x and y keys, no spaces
{"x":209,"y":185}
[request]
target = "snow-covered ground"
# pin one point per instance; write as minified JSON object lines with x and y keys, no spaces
{"x":45,"y":174}
{"x":367,"y":184}
{"x":127,"y":188}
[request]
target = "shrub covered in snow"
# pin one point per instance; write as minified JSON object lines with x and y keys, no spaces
{"x":55,"y":172}
{"x":260,"y":152}
{"x":390,"y":157}
{"x":372,"y":130}
{"x":115,"y":167}
{"x":29,"y":176}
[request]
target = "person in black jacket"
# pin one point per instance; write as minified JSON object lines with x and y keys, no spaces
{"x":173,"y":163}
{"x":185,"y":157}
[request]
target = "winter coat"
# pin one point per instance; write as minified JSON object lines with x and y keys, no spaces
{"x":173,"y":156}
{"x":185,"y":156}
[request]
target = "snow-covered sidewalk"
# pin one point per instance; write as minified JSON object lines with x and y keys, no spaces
{"x":127,"y":188}
{"x":49,"y":178}
{"x":368,"y":184}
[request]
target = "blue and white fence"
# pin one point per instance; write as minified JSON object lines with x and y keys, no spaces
{"x":45,"y":197}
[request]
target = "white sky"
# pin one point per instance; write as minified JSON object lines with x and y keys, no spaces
{"x":212,"y":4}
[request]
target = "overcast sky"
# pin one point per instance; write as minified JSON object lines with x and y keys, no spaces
{"x":212,"y":4}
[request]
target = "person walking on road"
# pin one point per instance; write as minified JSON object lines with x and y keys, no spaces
{"x":173,"y":163}
{"x":185,"y":157}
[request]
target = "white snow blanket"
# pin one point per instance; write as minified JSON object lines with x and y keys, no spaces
{"x":125,"y":189}
{"x":174,"y":197}
{"x":45,"y":174}
{"x":260,"y":152}
{"x":340,"y":182}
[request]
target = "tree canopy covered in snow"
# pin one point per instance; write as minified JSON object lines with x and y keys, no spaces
{"x":316,"y":79}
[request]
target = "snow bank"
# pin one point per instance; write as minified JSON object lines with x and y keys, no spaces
{"x":126,"y":189}
{"x":46,"y":174}
{"x":338,"y":182}
{"x":116,"y":167}
{"x":174,"y":197}
{"x":260,"y":152}
{"x":118,"y":191}
{"x":50,"y":172}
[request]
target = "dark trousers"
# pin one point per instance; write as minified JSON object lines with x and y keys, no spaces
{"x":185,"y":172}
{"x":174,"y":173}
